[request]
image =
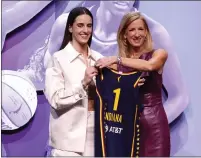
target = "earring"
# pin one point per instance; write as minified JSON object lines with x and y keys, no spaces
{"x":125,"y":39}
{"x":125,"y":42}
{"x":145,"y":38}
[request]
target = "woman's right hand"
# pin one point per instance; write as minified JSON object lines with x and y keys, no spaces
{"x":90,"y":72}
{"x":106,"y":61}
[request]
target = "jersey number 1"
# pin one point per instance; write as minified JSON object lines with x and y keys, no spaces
{"x":116,"y":100}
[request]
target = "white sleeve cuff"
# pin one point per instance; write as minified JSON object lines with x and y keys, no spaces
{"x":79,"y":92}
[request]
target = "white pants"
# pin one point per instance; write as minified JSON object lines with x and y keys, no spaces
{"x":89,"y":144}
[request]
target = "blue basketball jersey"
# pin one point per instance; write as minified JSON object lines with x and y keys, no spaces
{"x":117,"y":114}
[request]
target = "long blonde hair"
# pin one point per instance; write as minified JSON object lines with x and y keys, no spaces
{"x":125,"y":22}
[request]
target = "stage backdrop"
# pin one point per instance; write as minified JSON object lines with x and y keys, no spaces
{"x":29,"y":40}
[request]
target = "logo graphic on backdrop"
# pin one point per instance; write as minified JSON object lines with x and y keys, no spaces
{"x":19,"y":100}
{"x":104,"y":41}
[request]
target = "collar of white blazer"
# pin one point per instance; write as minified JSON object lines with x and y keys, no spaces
{"x":73,"y":54}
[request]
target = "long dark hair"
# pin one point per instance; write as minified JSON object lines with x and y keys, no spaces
{"x":74,"y":13}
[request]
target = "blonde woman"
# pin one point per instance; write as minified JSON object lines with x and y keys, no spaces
{"x":136,"y":51}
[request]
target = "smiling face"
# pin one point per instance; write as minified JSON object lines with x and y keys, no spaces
{"x":136,"y":33}
{"x":133,"y":33}
{"x":81,"y":29}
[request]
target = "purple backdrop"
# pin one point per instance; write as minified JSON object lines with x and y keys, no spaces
{"x":24,"y":50}
{"x":32,"y":139}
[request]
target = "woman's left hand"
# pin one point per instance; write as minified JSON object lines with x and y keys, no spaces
{"x":106,"y":61}
{"x":141,"y":82}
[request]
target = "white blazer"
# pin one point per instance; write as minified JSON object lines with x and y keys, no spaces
{"x":68,"y":99}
